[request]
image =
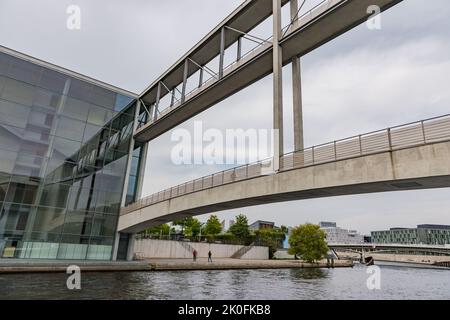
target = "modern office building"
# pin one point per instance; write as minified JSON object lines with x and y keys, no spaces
{"x":65,"y":150}
{"x":424,"y":234}
{"x":339,"y":235}
{"x":258,"y":225}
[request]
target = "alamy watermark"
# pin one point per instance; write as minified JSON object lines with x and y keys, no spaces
{"x":232,"y":147}
{"x":74,"y":280}
{"x":374,"y":21}
{"x":74,"y":17}
{"x":374,"y":280}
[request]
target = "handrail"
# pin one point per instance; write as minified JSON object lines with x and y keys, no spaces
{"x":432,"y":130}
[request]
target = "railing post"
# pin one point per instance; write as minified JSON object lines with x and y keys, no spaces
{"x":360,"y":145}
{"x":313,"y":156}
{"x":389,"y":139}
{"x":335,"y":150}
{"x":423,"y":132}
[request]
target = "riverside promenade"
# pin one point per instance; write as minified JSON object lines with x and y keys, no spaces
{"x":50,"y":266}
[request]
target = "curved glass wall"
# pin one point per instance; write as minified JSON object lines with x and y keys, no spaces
{"x":63,"y":158}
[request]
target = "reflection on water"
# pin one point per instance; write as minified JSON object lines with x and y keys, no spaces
{"x":297,"y":284}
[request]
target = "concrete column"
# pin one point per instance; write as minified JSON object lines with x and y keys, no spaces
{"x":141,"y":174}
{"x":185,"y":76}
{"x":222,"y":52}
{"x":297,"y":91}
{"x":127,"y":175}
{"x":277,"y":82}
{"x":130,"y":250}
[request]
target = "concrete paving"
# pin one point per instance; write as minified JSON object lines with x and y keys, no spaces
{"x":51,"y":266}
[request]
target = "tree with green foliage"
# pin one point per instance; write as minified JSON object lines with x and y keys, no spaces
{"x":308,"y":242}
{"x":163,"y":229}
{"x":192,"y":227}
{"x":272,"y":238}
{"x":212,"y":227}
{"x":240,"y":228}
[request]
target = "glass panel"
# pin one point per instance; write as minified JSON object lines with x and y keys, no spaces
{"x":99,"y":116}
{"x":5,"y":63}
{"x":21,"y":193}
{"x":78,"y":223}
{"x":25,"y":71}
{"x":19,"y":92}
{"x":14,"y":114}
{"x":90,"y":132}
{"x":14,"y":217}
{"x":46,"y":99}
{"x":4,"y":183}
{"x":66,"y":150}
{"x":55,"y":195}
{"x":49,"y":220}
{"x":52,"y":80}
{"x":76,"y":109}
{"x":7,"y":161}
{"x":70,"y":129}
{"x":80,"y":90}
{"x":103,"y":97}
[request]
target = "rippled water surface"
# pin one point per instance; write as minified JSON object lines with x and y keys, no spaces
{"x":396,"y":283}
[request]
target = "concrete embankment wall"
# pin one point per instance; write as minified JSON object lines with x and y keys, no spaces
{"x":408,"y":258}
{"x":175,"y":250}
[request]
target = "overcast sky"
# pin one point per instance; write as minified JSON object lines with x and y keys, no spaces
{"x":365,"y":80}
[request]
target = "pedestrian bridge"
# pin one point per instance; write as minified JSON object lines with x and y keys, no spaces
{"x":408,"y":157}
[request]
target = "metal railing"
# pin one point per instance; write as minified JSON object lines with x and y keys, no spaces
{"x":405,"y":136}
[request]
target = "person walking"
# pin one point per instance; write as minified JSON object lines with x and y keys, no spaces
{"x":210,"y":256}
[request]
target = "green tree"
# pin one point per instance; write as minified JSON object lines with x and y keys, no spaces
{"x":272,"y":238}
{"x":163,"y":229}
{"x":308,"y":242}
{"x":192,"y":227}
{"x":240,"y":228}
{"x":212,"y":227}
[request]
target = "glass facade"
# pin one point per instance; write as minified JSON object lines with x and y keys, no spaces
{"x":423,"y":234}
{"x":64,"y":147}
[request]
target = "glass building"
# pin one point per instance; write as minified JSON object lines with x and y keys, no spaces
{"x":424,"y":234}
{"x":65,"y":142}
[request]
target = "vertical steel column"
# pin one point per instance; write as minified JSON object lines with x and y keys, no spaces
{"x":239,"y":48}
{"x":185,"y":76}
{"x":222,"y":52}
{"x":299,"y":143}
{"x":200,"y":79}
{"x":277,"y":84}
{"x":158,"y":98}
{"x":172,"y":99}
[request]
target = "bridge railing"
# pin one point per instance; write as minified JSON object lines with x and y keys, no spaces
{"x":405,"y":136}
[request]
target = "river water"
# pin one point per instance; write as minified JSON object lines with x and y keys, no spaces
{"x":395,"y":283}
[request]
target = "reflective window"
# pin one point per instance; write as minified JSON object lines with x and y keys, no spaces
{"x":19,"y":92}
{"x":48,"y":220}
{"x":70,"y":129}
{"x":24,"y":71}
{"x":76,"y":109}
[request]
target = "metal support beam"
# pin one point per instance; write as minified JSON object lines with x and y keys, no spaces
{"x":239,"y":49}
{"x":200,"y":78}
{"x":277,"y":81}
{"x":185,"y":76}
{"x":172,"y":99}
{"x":222,"y":52}
{"x":158,"y":98}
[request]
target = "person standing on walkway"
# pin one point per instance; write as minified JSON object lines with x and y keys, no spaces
{"x":210,"y":256}
{"x":194,"y":255}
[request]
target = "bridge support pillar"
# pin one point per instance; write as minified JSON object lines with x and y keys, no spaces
{"x":277,"y":84}
{"x":297,"y":89}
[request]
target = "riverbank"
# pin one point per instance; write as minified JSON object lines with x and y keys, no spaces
{"x":40,"y":266}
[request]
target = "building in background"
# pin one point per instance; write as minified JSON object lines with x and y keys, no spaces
{"x":65,"y":148}
{"x":424,"y":234}
{"x":259,"y":225}
{"x":339,"y":235}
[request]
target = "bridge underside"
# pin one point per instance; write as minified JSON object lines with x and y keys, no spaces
{"x":421,"y":167}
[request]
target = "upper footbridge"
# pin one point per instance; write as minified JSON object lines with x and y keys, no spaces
{"x":408,"y":157}
{"x":305,"y":32}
